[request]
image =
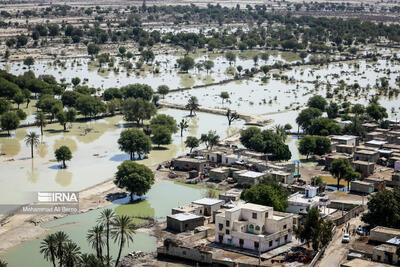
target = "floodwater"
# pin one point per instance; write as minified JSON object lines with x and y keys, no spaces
{"x":161,"y":198}
{"x":95,"y":154}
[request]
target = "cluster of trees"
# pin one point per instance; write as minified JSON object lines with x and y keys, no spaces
{"x":267,"y":192}
{"x":58,"y":247}
{"x":384,"y":209}
{"x":266,"y":141}
{"x":315,"y":145}
{"x":209,"y":139}
{"x":341,"y":169}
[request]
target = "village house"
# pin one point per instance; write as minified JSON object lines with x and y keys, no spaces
{"x":375,"y":143}
{"x":248,"y":177}
{"x":282,"y":177}
{"x":188,"y":164}
{"x":330,"y":157}
{"x":349,"y":140}
{"x":182,"y":222}
{"x":375,"y":136}
{"x":253,"y":227}
{"x":191,"y":208}
{"x":210,"y":205}
{"x":385,"y":253}
{"x":366,"y":155}
{"x":395,"y":179}
{"x":219,"y":174}
{"x":362,"y":187}
{"x":365,"y":168}
{"x":230,"y":195}
{"x":300,"y":202}
{"x":348,"y":149}
{"x":369,"y":127}
{"x":383,"y":234}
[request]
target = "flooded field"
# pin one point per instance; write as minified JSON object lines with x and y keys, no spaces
{"x":95,"y":154}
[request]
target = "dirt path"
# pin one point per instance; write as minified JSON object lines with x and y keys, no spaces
{"x":337,"y":251}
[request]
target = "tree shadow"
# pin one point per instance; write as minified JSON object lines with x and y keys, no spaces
{"x":160,"y":148}
{"x":54,"y":131}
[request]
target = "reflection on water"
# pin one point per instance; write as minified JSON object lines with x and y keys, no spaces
{"x":42,"y":149}
{"x":66,"y":141}
{"x":9,"y":146}
{"x":32,"y":173}
{"x":63,"y":177}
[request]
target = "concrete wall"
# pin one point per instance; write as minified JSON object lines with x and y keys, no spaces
{"x":381,"y":236}
{"x":183,"y":226}
{"x":192,"y":254}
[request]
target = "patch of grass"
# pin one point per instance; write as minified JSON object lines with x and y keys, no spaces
{"x":290,"y":56}
{"x":330,"y":180}
{"x":139,"y":208}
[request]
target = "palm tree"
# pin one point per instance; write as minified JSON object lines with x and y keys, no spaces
{"x":61,"y":239}
{"x":3,"y":263}
{"x":32,"y":139}
{"x":281,"y":131}
{"x":72,"y":254}
{"x":183,"y":125}
{"x":193,"y":105}
{"x":106,"y":218}
{"x":90,"y":260}
{"x":40,"y":121}
{"x":95,"y":238}
{"x":48,"y":248}
{"x":123,"y":232}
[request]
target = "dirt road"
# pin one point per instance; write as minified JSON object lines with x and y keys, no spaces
{"x":336,"y":252}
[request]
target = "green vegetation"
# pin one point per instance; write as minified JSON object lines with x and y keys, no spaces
{"x":63,"y":154}
{"x":341,"y":169}
{"x":134,"y":141}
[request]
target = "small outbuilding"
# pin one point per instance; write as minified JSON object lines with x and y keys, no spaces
{"x":182,"y":222}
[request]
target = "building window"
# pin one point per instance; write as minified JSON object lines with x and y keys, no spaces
{"x":266,"y":215}
{"x":270,"y":243}
{"x":241,"y":242}
{"x":256,"y":245}
{"x":227,"y":223}
{"x":254,"y":215}
{"x":294,"y":220}
{"x":257,"y":228}
{"x":220,"y":226}
{"x":285,"y":226}
{"x":286,"y":237}
{"x":227,"y":232}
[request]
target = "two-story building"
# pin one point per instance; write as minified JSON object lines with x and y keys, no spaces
{"x":253,"y":227}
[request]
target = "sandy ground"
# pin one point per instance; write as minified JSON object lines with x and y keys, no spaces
{"x":16,"y":229}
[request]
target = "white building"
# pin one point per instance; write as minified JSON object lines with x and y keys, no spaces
{"x":253,"y":227}
{"x":299,"y":202}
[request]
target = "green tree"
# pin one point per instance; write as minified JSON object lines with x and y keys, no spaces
{"x":137,"y":90}
{"x":61,"y":239}
{"x":323,"y":126}
{"x":307,"y":145}
{"x":134,"y":141}
{"x":183,"y":125}
{"x":318,"y":102}
{"x":95,"y":239}
{"x":48,"y":247}
{"x":355,"y":128}
{"x":5,"y":105}
{"x":377,"y":112}
{"x":163,"y":90}
{"x":62,"y":119}
{"x":41,"y":121}
{"x":267,"y":194}
{"x":224,"y":95}
{"x":161,"y":135}
{"x":384,"y":209}
{"x":315,"y":230}
{"x":332,"y":110}
{"x":192,"y":105}
{"x":341,"y":168}
{"x":231,"y":116}
{"x":322,"y":145}
{"x":90,"y":106}
{"x":29,"y":61}
{"x":71,"y":115}
{"x":208,"y":65}
{"x":306,"y":116}
{"x":135,"y":178}
{"x":106,"y":218}
{"x":186,"y":63}
{"x":72,"y":254}
{"x":210,"y":139}
{"x":93,"y":49}
{"x":147,"y":55}
{"x":138,"y":110}
{"x":9,"y":121}
{"x":123,"y":231}
{"x":19,"y":98}
{"x":63,"y":153}
{"x":75,"y":81}
{"x":230,"y":56}
{"x":192,"y":142}
{"x":164,"y":120}
{"x":32,"y":140}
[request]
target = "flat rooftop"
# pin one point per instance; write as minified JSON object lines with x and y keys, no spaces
{"x":366,"y":152}
{"x":208,"y":201}
{"x":360,"y":162}
{"x":251,"y":174}
{"x":361,"y":182}
{"x":386,"y":230}
{"x":344,"y":137}
{"x":184,"y":216}
{"x":387,"y":248}
{"x":376,"y":142}
{"x":251,"y":206}
{"x":187,"y":159}
{"x":302,"y":199}
{"x":364,"y":263}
